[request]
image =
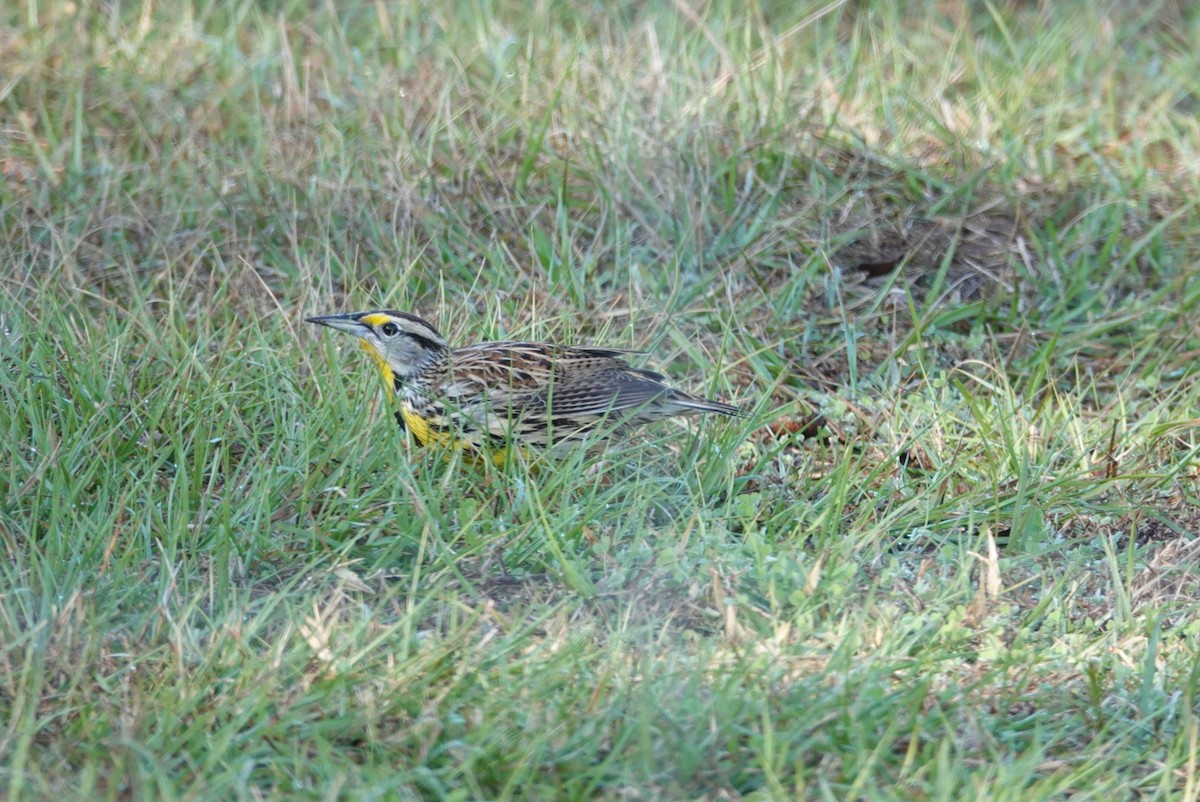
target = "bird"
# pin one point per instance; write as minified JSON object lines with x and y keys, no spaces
{"x":535,"y":396}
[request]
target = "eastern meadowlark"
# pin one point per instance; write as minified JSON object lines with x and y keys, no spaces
{"x":486,"y":396}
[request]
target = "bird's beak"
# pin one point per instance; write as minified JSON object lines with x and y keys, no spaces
{"x":347,"y":323}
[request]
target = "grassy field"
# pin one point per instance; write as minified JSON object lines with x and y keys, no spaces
{"x":944,"y":251}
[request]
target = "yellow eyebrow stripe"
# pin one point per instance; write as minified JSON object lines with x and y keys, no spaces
{"x":374,"y":319}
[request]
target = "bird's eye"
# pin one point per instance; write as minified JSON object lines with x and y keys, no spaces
{"x":389,"y":329}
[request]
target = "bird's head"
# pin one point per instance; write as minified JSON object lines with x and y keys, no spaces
{"x":399,"y":342}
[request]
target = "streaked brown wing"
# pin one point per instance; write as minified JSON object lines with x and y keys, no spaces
{"x":596,"y":393}
{"x":498,"y":369}
{"x":497,"y":382}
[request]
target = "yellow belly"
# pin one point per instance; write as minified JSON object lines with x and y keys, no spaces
{"x":421,"y":431}
{"x":425,"y":434}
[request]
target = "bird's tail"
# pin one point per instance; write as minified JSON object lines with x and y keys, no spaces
{"x":683,"y":404}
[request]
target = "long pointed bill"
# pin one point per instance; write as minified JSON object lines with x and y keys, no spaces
{"x":346,"y":323}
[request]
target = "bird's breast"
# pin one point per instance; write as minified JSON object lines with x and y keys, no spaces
{"x":428,"y":429}
{"x":416,"y":424}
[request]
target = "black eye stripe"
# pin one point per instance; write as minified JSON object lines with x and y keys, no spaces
{"x":425,"y":342}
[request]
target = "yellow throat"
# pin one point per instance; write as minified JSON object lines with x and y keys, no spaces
{"x":389,"y":378}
